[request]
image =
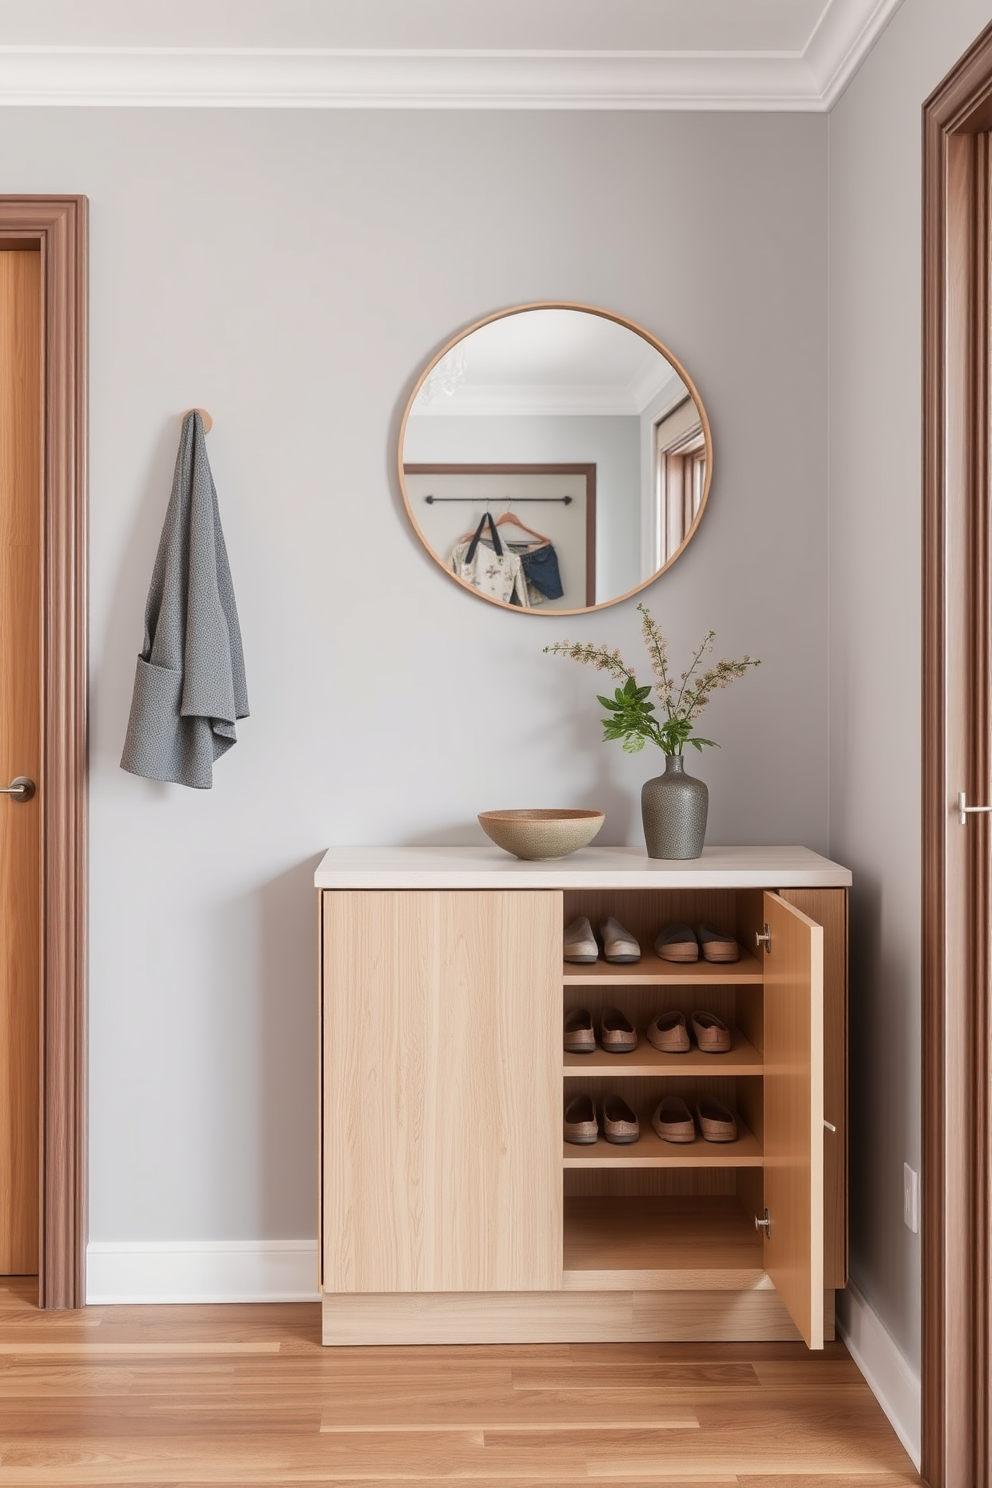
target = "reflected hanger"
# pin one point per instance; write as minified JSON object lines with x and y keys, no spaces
{"x":508,"y":516}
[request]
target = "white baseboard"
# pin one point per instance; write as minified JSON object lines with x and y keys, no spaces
{"x":891,"y":1378}
{"x":201,"y":1271}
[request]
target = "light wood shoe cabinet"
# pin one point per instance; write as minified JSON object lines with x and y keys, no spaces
{"x":451,"y":1209}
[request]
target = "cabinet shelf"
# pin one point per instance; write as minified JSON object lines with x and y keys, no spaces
{"x":742,"y":1058}
{"x":654,"y":1244}
{"x":651,"y":971}
{"x":651,"y":1152}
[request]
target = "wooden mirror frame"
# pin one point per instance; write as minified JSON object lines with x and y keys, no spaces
{"x":629,"y":325}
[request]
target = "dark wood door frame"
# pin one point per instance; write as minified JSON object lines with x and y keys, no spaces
{"x":57,"y":225}
{"x":957,"y":860}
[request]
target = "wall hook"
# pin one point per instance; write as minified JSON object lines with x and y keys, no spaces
{"x":208,"y":422}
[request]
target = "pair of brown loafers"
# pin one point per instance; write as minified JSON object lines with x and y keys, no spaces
{"x":617,"y":1035}
{"x":680,"y":943}
{"x":668,"y":1032}
{"x":673,"y":1122}
{"x":620,"y":1123}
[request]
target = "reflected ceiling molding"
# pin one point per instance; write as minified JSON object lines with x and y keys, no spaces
{"x":537,"y":400}
{"x":548,"y":400}
{"x":239,"y":77}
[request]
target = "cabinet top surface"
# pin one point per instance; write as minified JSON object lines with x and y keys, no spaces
{"x":488,"y":867}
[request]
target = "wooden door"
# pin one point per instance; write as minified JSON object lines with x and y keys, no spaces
{"x":20,"y":746}
{"x":793,"y":1113}
{"x":441,"y":1039}
{"x":829,"y":908}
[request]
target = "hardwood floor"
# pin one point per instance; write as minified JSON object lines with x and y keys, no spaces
{"x":247,"y":1396}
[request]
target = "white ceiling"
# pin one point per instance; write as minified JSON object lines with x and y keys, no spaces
{"x":629,"y":54}
{"x":552,"y":361}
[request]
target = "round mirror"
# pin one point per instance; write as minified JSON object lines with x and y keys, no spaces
{"x":555,"y":458}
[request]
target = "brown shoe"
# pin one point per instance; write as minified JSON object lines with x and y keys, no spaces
{"x":579,"y":943}
{"x":619,"y":946}
{"x":716,"y":1121}
{"x":668,"y":1033}
{"x":620,"y":1124}
{"x":579,"y":1037}
{"x":676,"y":943}
{"x":616,"y":1032}
{"x":580,"y":1124}
{"x":673,"y":1120}
{"x":712,"y":1034}
{"x":717,"y":947}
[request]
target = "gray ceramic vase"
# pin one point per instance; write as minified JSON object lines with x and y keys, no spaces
{"x":673,"y":807}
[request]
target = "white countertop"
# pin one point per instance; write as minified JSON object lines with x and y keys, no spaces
{"x":488,"y":867}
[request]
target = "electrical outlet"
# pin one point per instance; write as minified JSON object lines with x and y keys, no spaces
{"x":910,"y":1198}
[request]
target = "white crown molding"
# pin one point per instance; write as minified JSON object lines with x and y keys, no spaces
{"x":237,"y":77}
{"x":845,"y":34}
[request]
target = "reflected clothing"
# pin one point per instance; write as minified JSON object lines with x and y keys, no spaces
{"x":494,"y":571}
{"x":541,"y":571}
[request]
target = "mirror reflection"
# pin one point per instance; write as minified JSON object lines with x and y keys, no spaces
{"x":555,"y":459}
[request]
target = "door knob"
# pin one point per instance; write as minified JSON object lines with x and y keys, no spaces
{"x":22,"y":788}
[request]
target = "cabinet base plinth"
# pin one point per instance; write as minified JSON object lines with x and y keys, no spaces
{"x":560,"y":1317}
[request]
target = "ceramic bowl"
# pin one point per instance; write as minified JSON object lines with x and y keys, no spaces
{"x":541,"y":834}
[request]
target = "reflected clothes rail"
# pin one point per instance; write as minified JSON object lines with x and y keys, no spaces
{"x":513,"y":500}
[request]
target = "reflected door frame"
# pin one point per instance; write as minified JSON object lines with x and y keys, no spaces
{"x":57,"y":226}
{"x":956,"y":914}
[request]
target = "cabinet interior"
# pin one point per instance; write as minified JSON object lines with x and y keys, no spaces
{"x":655,"y":1214}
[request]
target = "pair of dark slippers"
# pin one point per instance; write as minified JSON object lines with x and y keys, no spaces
{"x":681,"y":943}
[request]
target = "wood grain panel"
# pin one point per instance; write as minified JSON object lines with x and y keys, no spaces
{"x":646,"y":911}
{"x":649,"y":1244}
{"x":652,"y":1182}
{"x":21,"y":430}
{"x":651,"y":970}
{"x":793,"y":1135}
{"x":442,"y":1091}
{"x":555,"y":1317}
{"x":829,"y":908}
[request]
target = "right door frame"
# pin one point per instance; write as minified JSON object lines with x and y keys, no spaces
{"x":957,"y":859}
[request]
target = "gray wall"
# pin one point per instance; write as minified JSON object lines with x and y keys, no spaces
{"x":291,"y":272}
{"x":875,"y":290}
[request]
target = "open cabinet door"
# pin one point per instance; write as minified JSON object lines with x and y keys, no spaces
{"x":793,"y":1113}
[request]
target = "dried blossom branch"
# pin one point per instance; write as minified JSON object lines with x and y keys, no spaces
{"x":632,"y":714}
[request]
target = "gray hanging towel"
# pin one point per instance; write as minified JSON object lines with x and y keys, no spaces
{"x":189,"y":688}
